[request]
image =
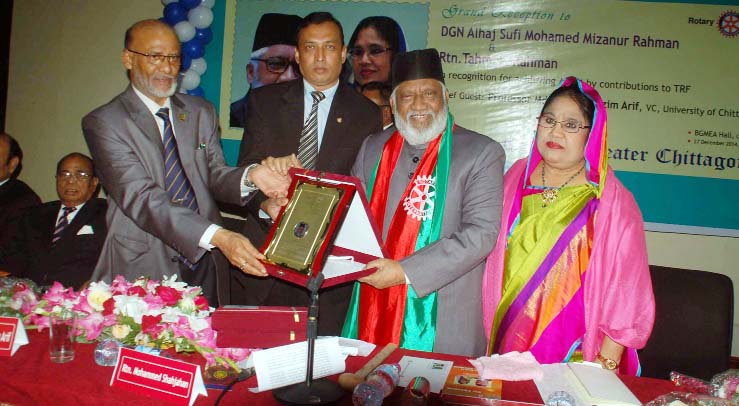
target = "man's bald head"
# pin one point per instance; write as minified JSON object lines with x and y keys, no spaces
{"x":146,"y":25}
{"x":152,"y":57}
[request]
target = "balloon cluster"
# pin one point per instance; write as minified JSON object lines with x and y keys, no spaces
{"x":191,"y":21}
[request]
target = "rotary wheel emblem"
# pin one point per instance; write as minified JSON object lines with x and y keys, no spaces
{"x":728,"y":24}
{"x":420,"y":204}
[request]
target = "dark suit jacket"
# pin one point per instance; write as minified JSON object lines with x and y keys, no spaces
{"x":147,"y":232}
{"x":274,"y":122}
{"x":72,"y":259}
{"x":238,"y":113}
{"x":15,"y":197}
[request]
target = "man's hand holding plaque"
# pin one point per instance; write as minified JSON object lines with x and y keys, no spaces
{"x":389,"y":273}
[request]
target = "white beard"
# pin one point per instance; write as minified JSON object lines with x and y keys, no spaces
{"x":142,"y":84}
{"x":415,"y":136}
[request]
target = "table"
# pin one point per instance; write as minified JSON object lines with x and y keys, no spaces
{"x":29,"y":378}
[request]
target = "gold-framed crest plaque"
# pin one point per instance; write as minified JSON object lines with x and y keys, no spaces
{"x":303,"y":226}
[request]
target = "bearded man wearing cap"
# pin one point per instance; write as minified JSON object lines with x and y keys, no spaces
{"x":272,"y":58}
{"x":435,"y":188}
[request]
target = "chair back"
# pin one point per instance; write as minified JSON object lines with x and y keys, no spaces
{"x":694,"y":317}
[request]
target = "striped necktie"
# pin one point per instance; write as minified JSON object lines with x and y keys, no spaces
{"x":175,"y":181}
{"x":61,"y":224}
{"x":308,"y":149}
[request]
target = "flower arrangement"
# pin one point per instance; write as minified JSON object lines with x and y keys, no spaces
{"x":166,"y":314}
{"x":18,"y":297}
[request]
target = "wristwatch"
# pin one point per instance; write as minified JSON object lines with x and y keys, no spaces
{"x":608,"y":363}
{"x":247,"y":182}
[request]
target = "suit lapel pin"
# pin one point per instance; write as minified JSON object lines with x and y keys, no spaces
{"x":182,"y":117}
{"x":201,"y":146}
{"x":339,"y":120}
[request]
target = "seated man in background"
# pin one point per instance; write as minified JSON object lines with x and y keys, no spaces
{"x":15,"y":196}
{"x":61,"y":240}
{"x":379,"y":93}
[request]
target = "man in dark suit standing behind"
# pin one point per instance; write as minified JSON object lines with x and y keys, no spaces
{"x":277,"y":122}
{"x":61,"y":240}
{"x":15,"y":196}
{"x":160,"y":160}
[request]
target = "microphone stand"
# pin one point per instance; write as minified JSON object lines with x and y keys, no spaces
{"x":319,"y":392}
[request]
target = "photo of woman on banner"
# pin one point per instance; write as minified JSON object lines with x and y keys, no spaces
{"x":372,"y":49}
{"x":569,"y":278}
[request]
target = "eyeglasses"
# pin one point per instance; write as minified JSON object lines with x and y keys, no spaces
{"x":67,"y":176}
{"x":372,"y":51}
{"x":156,"y":59}
{"x":569,"y":125}
{"x":278,"y":64}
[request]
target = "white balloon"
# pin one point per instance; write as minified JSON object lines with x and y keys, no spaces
{"x":198,"y":65}
{"x":208,"y":3}
{"x":165,"y":2}
{"x":185,"y":31}
{"x":190,"y":80}
{"x":200,"y":17}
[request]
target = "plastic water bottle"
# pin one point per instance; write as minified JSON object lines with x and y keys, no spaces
{"x":560,"y":398}
{"x":367,"y":394}
{"x":385,"y":377}
{"x":106,"y":352}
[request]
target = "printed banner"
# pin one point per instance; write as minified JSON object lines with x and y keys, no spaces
{"x":666,"y":71}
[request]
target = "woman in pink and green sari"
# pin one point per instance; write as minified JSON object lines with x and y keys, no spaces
{"x":569,"y":277}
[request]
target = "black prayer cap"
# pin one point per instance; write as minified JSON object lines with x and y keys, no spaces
{"x":419,"y":64}
{"x":276,"y":29}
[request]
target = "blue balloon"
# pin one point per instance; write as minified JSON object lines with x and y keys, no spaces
{"x":198,"y":91}
{"x":193,"y":49}
{"x":203,"y":36}
{"x":186,"y":60}
{"x":188,"y":4}
{"x":174,"y":13}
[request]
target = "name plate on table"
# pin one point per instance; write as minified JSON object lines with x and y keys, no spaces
{"x":12,"y":335}
{"x":303,"y":226}
{"x":163,"y":378}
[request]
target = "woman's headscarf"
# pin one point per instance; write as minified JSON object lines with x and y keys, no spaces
{"x":595,"y":154}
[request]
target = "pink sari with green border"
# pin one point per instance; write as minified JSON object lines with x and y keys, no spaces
{"x":546,"y":283}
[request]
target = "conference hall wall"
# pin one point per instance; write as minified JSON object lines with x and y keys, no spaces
{"x":502,"y":58}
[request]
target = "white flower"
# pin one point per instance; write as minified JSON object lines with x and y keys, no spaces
{"x":132,"y":306}
{"x":120,"y":331}
{"x":141,"y":339}
{"x":171,"y":281}
{"x":187,"y":304}
{"x":197,"y":324}
{"x":97,"y":294}
{"x":171,"y":314}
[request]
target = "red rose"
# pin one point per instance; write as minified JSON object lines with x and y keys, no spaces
{"x":136,"y":291}
{"x":169,"y":296}
{"x":150,"y":324}
{"x":108,"y":306}
{"x":201,"y":302}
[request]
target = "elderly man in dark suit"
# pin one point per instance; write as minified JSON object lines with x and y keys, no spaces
{"x":15,"y":195}
{"x":437,"y":194}
{"x":317,"y":122}
{"x":272,"y":58}
{"x":160,"y":160}
{"x":61,"y":240}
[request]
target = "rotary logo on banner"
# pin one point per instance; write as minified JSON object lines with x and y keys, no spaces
{"x":420,"y":204}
